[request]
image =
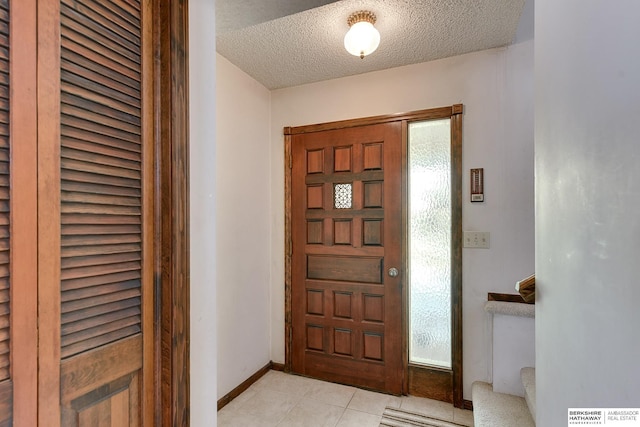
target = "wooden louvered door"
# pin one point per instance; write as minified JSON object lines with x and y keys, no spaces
{"x":80,"y":194}
{"x":95,"y":222}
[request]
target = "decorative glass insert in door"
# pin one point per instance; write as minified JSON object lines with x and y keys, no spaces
{"x":342,"y":196}
{"x":430,"y":243}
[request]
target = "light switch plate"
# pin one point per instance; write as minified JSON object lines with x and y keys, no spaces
{"x":476,"y":239}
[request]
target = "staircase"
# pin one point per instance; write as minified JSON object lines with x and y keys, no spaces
{"x":513,"y":403}
{"x":491,"y":409}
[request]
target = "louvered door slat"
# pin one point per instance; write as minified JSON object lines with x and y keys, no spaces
{"x":100,"y":340}
{"x":99,"y":219}
{"x":75,"y":63}
{"x":112,"y":280}
{"x":104,"y":92}
{"x":99,"y":310}
{"x":75,"y":262}
{"x":100,"y":330}
{"x":104,"y":150}
{"x":94,"y":321}
{"x":100,"y":141}
{"x":132,"y":5}
{"x":99,"y":250}
{"x":119,"y":8}
{"x":99,"y":240}
{"x":98,"y":129}
{"x":91,"y":229}
{"x":99,"y":13}
{"x":94,"y":178}
{"x":87,"y":282}
{"x":107,"y":16}
{"x":86,"y":208}
{"x":76,"y":74}
{"x":111,"y":41}
{"x":91,"y":116}
{"x":102,"y":110}
{"x":98,"y":199}
{"x":73,"y":115}
{"x":81,"y":172}
{"x":98,"y":164}
{"x":79,"y":54}
{"x":94,"y":51}
{"x":101,"y":166}
{"x":4,"y":16}
{"x":103,"y":18}
{"x":71,"y":305}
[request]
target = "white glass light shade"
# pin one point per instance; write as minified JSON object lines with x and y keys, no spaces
{"x":362,"y":39}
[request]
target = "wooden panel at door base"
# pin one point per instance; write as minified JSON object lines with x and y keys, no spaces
{"x":346,"y":371}
{"x":102,"y":386}
{"x":6,"y":403}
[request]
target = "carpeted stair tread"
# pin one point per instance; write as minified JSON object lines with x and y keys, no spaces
{"x":492,"y":409}
{"x":528,"y":376}
{"x":394,"y":417}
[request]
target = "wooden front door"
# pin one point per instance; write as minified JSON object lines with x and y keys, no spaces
{"x":346,"y":228}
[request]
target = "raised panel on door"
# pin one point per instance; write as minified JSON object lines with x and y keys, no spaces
{"x":346,"y":233}
{"x":103,"y":220}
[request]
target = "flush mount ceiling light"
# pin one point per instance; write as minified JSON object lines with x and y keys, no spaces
{"x":362,"y":38}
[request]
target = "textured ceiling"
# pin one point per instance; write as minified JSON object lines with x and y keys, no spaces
{"x":279,"y":49}
{"x":236,"y":14}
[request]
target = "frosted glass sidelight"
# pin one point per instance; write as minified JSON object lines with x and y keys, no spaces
{"x":430,"y":243}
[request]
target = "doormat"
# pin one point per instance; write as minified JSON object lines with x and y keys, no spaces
{"x":394,"y":417}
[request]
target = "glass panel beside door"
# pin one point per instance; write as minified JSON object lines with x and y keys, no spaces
{"x":429,"y":243}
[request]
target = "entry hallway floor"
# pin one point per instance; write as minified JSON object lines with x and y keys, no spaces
{"x":284,"y":400}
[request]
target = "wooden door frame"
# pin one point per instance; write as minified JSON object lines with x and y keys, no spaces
{"x":455,"y":113}
{"x":172,"y":212}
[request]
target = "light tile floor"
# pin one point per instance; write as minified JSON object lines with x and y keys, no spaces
{"x":284,"y":400}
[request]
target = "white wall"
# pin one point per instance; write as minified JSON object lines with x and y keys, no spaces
{"x":243,"y":206}
{"x":513,"y":349}
{"x":496,"y":87}
{"x":202,"y":128}
{"x":587,"y":98}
